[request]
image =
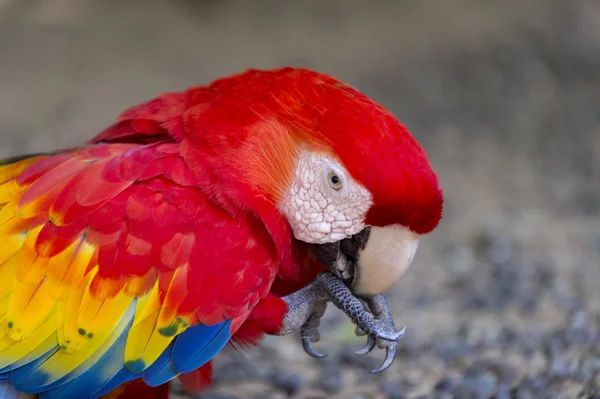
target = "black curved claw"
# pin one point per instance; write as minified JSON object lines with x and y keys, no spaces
{"x":390,"y":356}
{"x":307,"y":345}
{"x":368,"y":347}
{"x":402,"y":332}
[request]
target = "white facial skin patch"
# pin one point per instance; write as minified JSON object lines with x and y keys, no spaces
{"x":323,"y":203}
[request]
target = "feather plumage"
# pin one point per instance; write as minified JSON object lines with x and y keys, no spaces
{"x":111,"y":269}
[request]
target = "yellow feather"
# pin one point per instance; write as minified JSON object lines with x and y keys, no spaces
{"x":68,"y":268}
{"x":3,"y":308}
{"x":7,"y":213}
{"x":9,"y":191}
{"x":20,"y":297}
{"x":98,"y":316}
{"x":144,"y":323}
{"x":63,"y":362}
{"x":30,"y":300}
{"x":12,"y":351}
{"x":11,"y":171}
{"x":9,"y":246}
{"x":25,"y":320}
{"x":33,"y":354}
{"x":153,"y":330}
{"x":68,"y":336}
{"x":32,"y":268}
{"x":40,"y":204}
{"x":148,"y":305}
{"x":7,"y":274}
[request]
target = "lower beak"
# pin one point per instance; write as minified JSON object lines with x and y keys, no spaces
{"x":384,"y":259}
{"x":372,"y":261}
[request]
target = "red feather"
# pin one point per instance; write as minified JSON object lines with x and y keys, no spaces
{"x":198,"y":380}
{"x":137,"y":389}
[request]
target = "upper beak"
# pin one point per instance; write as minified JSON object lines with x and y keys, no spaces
{"x":372,"y":261}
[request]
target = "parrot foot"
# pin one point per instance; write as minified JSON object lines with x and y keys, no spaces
{"x":307,"y":306}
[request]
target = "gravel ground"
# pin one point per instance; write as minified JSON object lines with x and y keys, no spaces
{"x":503,"y":300}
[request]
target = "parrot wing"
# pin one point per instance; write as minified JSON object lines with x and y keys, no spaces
{"x":115,"y":266}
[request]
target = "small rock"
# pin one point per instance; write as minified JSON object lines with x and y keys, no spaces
{"x":500,"y":250}
{"x":231,"y":371}
{"x":444,"y":385}
{"x":409,"y":348}
{"x":530,"y":388}
{"x":530,"y":341}
{"x":480,"y":333}
{"x":504,"y":392}
{"x":507,"y":337}
{"x":271,"y":395}
{"x":596,"y":384}
{"x":564,"y":295}
{"x":563,"y":368}
{"x":578,"y":333}
{"x":555,"y":344}
{"x":216,"y":396}
{"x":392,"y":390}
{"x":289,"y":383}
{"x":590,"y":366}
{"x":332,"y":380}
{"x":451,"y":348}
{"x":425,"y":297}
{"x":579,"y":320}
{"x":477,"y":386}
{"x":530,"y":305}
{"x":411,"y":378}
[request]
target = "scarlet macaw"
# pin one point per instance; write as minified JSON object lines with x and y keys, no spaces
{"x":204,"y":217}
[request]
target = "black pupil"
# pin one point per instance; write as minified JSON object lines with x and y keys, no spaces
{"x":335,"y":179}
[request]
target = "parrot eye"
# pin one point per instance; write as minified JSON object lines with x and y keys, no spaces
{"x":334,"y":181}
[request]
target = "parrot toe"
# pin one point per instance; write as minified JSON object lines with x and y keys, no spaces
{"x":371,"y":341}
{"x":390,"y":356}
{"x":309,"y":333}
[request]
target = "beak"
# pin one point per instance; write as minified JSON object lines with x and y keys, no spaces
{"x":372,"y":261}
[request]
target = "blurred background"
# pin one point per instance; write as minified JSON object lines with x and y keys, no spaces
{"x":503,"y":299}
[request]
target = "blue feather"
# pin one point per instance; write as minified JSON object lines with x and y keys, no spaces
{"x":190,"y":350}
{"x":29,"y":369}
{"x":162,"y":369}
{"x":7,"y":391}
{"x":15,"y":372}
{"x":39,"y":354}
{"x":197,"y":345}
{"x":122,"y":377}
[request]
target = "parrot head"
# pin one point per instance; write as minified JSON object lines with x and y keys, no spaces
{"x":347,"y":175}
{"x":363,"y":190}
